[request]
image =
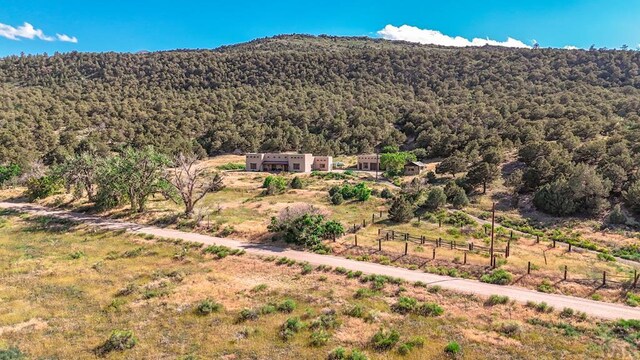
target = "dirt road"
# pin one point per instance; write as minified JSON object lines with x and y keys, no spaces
{"x":593,"y":308}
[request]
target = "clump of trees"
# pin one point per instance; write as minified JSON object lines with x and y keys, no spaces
{"x":305,"y":226}
{"x":360,"y":192}
{"x":130,"y":176}
{"x":393,"y":161}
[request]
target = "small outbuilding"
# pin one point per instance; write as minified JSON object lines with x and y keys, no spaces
{"x":414,"y":168}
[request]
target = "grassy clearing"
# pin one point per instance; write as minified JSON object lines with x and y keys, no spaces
{"x":131,"y":297}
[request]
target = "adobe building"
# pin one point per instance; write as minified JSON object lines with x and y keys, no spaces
{"x":290,"y":162}
{"x":369,"y":162}
{"x":414,"y":168}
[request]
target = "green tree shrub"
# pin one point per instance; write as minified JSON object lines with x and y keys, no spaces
{"x":401,"y":210}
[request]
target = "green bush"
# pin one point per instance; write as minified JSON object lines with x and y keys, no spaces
{"x":231,"y":166}
{"x":319,"y":338}
{"x":616,"y":216}
{"x":567,"y":313}
{"x":340,"y":353}
{"x":268,"y":309}
{"x":452,"y":348}
{"x":12,"y":353}
{"x":404,"y":305}
{"x":497,"y":276}
{"x":287,"y":306}
{"x":459,"y":218}
{"x":632,"y":299}
{"x":325,"y":321}
{"x":274,"y":184}
{"x":291,"y":327}
{"x":356,"y":311}
{"x":248,"y":314}
{"x":8,"y":172}
{"x":386,"y":194}
{"x":429,"y":309}
{"x":497,"y":300}
{"x":296,"y":183}
{"x":337,"y":199}
{"x":545,"y":286}
{"x":43,"y":187}
{"x":207,"y":306}
{"x":119,"y":340}
{"x":385,"y":340}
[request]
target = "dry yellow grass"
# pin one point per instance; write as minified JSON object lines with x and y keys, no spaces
{"x":59,"y":299}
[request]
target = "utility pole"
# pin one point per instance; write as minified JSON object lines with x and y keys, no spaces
{"x":377,"y":163}
{"x":493,"y":223}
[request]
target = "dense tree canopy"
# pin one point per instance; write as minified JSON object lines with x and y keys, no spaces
{"x":330,"y":95}
{"x":319,"y":94}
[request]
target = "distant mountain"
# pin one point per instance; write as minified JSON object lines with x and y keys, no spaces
{"x":320,"y":94}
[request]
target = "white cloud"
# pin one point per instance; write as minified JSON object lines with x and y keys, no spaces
{"x":571,"y":47}
{"x":67,"y":38}
{"x":27,"y":31}
{"x":434,"y":37}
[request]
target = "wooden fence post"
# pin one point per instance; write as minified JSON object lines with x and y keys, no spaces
{"x":494,"y":261}
{"x":380,"y":214}
{"x":511,"y":236}
{"x":465,"y":258}
{"x":418,"y":218}
{"x":393,"y":235}
{"x":537,"y":239}
{"x":528,"y":267}
{"x":434,"y":253}
{"x":379,"y":231}
{"x":565,"y":272}
{"x":356,"y":240}
{"x":387,"y":236}
{"x":554,"y":243}
{"x":507,"y":251}
{"x":364,"y":223}
{"x":406,"y":247}
{"x":439,"y":242}
{"x":439,"y":223}
{"x":422,"y":240}
{"x":635,"y":278}
{"x":334,"y":237}
{"x":379,"y":244}
{"x":451,"y":243}
{"x":373,"y":218}
{"x":604,"y":278}
{"x":569,"y":247}
{"x":354,"y":228}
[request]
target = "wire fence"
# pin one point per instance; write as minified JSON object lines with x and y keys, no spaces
{"x":391,"y":235}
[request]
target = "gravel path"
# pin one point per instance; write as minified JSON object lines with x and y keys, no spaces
{"x":522,"y":295}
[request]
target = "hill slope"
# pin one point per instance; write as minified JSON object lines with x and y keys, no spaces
{"x":319,"y":94}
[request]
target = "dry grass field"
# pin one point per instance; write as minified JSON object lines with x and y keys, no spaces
{"x":242,"y":211}
{"x":65,"y":288}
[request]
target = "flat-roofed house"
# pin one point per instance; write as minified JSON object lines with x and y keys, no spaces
{"x":322,"y":163}
{"x":369,"y":162}
{"x":414,"y":167}
{"x":291,"y":162}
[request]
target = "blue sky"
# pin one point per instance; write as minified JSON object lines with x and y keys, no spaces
{"x":162,"y":25}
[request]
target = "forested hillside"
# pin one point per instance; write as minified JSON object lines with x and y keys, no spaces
{"x":320,"y":94}
{"x":570,"y":114}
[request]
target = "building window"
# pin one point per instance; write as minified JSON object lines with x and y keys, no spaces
{"x":253,"y":166}
{"x":296,"y":166}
